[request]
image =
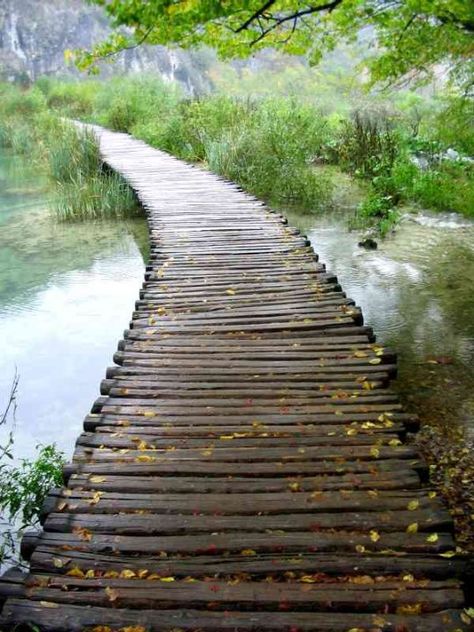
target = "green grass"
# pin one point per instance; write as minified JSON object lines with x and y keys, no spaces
{"x":268,"y":145}
{"x":81,"y":188}
{"x":103,"y":197}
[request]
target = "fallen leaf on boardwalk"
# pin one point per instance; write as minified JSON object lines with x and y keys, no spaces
{"x":90,"y":574}
{"x":360,"y":354}
{"x":381,"y":622}
{"x":101,"y":628}
{"x":308,"y":579}
{"x":166,"y":579}
{"x":413,"y":608}
{"x":295,"y":487}
{"x":60,"y":506}
{"x":432,"y":495}
{"x":127,"y":574}
{"x":394,"y":442}
{"x":433,"y":537}
{"x":375,"y":452}
{"x":48,"y":604}
{"x":408,"y":578}
{"x":448,"y":554}
{"x":142,"y":445}
{"x":375,"y":361}
{"x":111,"y":593}
{"x":230,"y":291}
{"x":149,"y":413}
{"x":412,"y":505}
{"x":412,"y":528}
{"x":362,"y":579}
{"x":206,"y":452}
{"x":465,"y":618}
{"x":95,"y":498}
{"x":133,"y":628}
{"x":145,"y":458}
{"x":142,"y":573}
{"x":75,"y":572}
{"x":248,"y":552}
{"x":360,"y":548}
{"x":374,"y":536}
{"x":97,"y":479}
{"x":111,"y":574}
{"x":83,"y":534}
{"x":58,"y":563}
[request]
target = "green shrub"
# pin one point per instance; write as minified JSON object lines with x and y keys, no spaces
{"x":447,"y":188}
{"x":369,"y":144}
{"x":454,"y":125}
{"x":23,"y":487}
{"x":24,"y":103}
{"x":122,"y":103}
{"x":75,"y":100}
{"x":378,"y":211}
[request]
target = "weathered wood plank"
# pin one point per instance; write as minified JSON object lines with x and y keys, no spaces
{"x":246,"y":467}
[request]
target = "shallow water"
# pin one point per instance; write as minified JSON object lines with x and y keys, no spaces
{"x":417,"y":292}
{"x":67,"y":292}
{"x":66,"y":295}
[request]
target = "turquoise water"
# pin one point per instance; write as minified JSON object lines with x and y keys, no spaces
{"x":417,"y":292}
{"x":67,"y":292}
{"x":66,"y":295}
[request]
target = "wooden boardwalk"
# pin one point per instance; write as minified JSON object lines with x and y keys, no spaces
{"x":246,"y":468}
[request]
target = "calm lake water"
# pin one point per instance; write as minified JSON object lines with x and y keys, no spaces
{"x":417,"y":292}
{"x":67,"y":292}
{"x":66,"y":295}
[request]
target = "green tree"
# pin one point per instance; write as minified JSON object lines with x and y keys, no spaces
{"x":409,"y":38}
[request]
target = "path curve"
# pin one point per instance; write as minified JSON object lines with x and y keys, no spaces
{"x":246,"y":467}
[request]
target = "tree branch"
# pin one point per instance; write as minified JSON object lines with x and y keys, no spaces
{"x":256,"y":15}
{"x":278,"y":21}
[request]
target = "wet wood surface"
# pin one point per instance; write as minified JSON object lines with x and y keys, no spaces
{"x":246,"y":466}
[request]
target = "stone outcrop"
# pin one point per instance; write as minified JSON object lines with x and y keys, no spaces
{"x":35,"y":33}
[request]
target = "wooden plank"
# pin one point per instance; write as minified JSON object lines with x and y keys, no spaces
{"x":71,"y":618}
{"x":246,"y":467}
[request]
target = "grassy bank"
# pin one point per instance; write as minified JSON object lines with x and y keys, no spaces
{"x":80,"y":187}
{"x":272,"y":146}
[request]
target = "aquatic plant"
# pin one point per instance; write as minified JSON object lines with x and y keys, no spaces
{"x":104,"y":196}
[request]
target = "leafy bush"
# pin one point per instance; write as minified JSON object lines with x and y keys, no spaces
{"x":369,"y":144}
{"x":377,"y":211}
{"x":75,"y":100}
{"x":122,"y":103}
{"x":454,"y":125}
{"x":23,"y":487}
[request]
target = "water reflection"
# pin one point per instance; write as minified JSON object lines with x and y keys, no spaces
{"x":66,"y":294}
{"x":417,"y":292}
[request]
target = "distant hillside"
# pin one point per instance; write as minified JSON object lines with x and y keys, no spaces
{"x":35,"y":33}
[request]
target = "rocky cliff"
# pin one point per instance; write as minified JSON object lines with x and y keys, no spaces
{"x":35,"y":33}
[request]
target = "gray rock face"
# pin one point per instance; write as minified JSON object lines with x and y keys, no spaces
{"x":35,"y":33}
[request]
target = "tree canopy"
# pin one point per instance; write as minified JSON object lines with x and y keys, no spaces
{"x":409,"y":38}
